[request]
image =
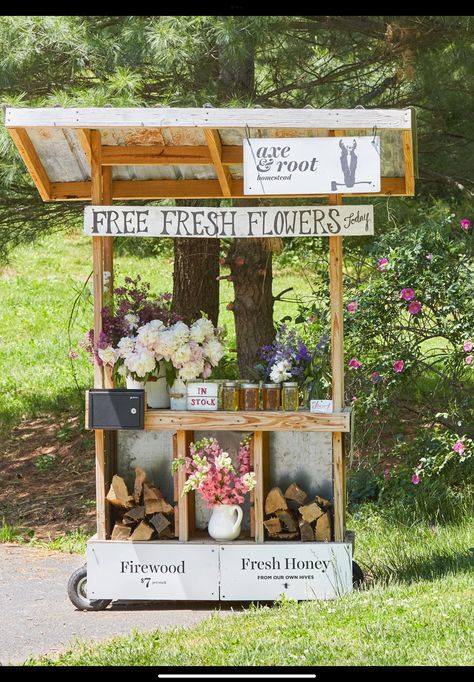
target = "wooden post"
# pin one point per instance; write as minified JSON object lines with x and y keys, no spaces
{"x":186,"y":505}
{"x":260,"y":467}
{"x":337,"y":362}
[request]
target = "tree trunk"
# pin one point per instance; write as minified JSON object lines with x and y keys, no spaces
{"x":250,"y":262}
{"x":196,"y":268}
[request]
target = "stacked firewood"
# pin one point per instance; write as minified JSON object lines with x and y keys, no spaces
{"x":289,"y":518}
{"x":145,"y":515}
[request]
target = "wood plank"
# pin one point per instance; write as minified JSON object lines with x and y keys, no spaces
{"x":168,"y":420}
{"x":32,"y":161}
{"x":152,"y":155}
{"x":186,"y":506}
{"x":339,"y":486}
{"x":407,"y":138}
{"x":100,"y":485}
{"x":261,"y":457}
{"x":190,"y":189}
{"x":252,"y":492}
{"x":108,"y":258}
{"x":98,"y":279}
{"x":84,"y":137}
{"x":115,"y":117}
{"x":215,"y":149}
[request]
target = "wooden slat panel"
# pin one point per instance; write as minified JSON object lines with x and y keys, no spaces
{"x":186,"y":505}
{"x":32,"y":162}
{"x":188,"y":189}
{"x":168,"y":420}
{"x":409,"y":162}
{"x":139,"y":155}
{"x":215,"y":148}
{"x":260,"y":467}
{"x":72,"y":117}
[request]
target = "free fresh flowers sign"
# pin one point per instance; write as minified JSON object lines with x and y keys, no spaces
{"x":312,"y":165}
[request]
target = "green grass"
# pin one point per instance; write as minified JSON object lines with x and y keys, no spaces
{"x":417,"y":609}
{"x":72,"y":542}
{"x":37,"y":290}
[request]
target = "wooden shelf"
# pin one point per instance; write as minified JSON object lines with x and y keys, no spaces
{"x":303,"y":420}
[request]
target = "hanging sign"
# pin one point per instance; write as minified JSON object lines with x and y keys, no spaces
{"x":312,"y":165}
{"x":255,"y":221}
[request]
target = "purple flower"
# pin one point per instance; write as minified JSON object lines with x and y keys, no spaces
{"x":354,"y":363}
{"x":465,"y":223}
{"x":352,"y":306}
{"x":415,"y":479}
{"x":398,"y":366}
{"x":429,"y":256}
{"x":375,"y":377}
{"x":407,"y":294}
{"x":414,"y":307}
{"x":382,"y":264}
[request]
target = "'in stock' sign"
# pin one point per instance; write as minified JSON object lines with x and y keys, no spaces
{"x":312,"y":165}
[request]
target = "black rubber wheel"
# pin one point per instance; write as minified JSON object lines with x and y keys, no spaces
{"x":77,"y":592}
{"x":357,"y":575}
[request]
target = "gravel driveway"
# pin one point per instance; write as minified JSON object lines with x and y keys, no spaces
{"x":37,"y":617}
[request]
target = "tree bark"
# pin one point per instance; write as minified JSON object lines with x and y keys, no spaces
{"x":196,"y":268}
{"x":250,"y":262}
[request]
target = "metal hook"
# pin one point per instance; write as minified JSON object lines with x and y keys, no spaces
{"x":374,"y":131}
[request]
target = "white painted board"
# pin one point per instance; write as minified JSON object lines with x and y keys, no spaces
{"x":312,"y":165}
{"x":202,"y":396}
{"x":297,"y":570}
{"x":148,"y":570}
{"x":252,"y":221}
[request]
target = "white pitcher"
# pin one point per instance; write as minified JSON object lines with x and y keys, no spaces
{"x":224,"y":524}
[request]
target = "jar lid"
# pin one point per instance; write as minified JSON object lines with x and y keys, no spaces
{"x":249,"y":385}
{"x":290,"y":383}
{"x":271,"y":385}
{"x":230,"y":383}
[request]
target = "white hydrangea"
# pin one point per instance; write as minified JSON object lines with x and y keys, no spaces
{"x":165,"y":344}
{"x":213,"y":351}
{"x":141,"y":362}
{"x":280,"y":371}
{"x":107,"y":355}
{"x":198,"y":333}
{"x":132,"y":320}
{"x":125,"y":346}
{"x":181,"y":333}
{"x":191,"y":370}
{"x":203,"y":328}
{"x":149,"y":334}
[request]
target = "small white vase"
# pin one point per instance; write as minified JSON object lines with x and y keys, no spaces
{"x":133,"y":384}
{"x":157,"y":395}
{"x":225,"y":522}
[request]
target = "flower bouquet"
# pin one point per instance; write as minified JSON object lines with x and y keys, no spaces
{"x":222,"y":486}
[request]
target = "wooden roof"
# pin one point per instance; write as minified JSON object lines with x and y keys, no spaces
{"x":158,"y":153}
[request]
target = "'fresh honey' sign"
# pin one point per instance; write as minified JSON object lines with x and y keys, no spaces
{"x":202,"y":396}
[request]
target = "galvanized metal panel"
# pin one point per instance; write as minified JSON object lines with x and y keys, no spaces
{"x":60,"y":155}
{"x":152,"y":570}
{"x":296,"y":570}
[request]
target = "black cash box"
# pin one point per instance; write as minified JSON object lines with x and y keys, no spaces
{"x":116,"y":408}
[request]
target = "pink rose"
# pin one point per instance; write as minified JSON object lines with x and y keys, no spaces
{"x":407,"y":294}
{"x":467,"y":346}
{"x":374,"y":378}
{"x":352,"y":306}
{"x":398,"y":366}
{"x":354,"y":363}
{"x":414,"y":307}
{"x":465,"y":223}
{"x":383,"y":262}
{"x":354,"y":398}
{"x":469,"y":359}
{"x":415,"y":479}
{"x":458,"y":447}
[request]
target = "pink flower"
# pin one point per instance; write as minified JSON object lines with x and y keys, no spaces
{"x":429,"y":256}
{"x":354,"y":398}
{"x":467,"y":346}
{"x":354,"y":363}
{"x":386,"y":473}
{"x":352,"y":306}
{"x":415,"y":479}
{"x":469,"y":359}
{"x":374,"y":378}
{"x":72,"y":354}
{"x":407,"y":294}
{"x":458,"y":447}
{"x":207,"y":371}
{"x":414,"y":307}
{"x":465,"y":223}
{"x":383,"y":262}
{"x":398,"y":366}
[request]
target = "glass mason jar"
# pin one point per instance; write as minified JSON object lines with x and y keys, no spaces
{"x":250,"y":397}
{"x":271,"y":397}
{"x":230,"y":396}
{"x":289,"y":396}
{"x":220,"y":392}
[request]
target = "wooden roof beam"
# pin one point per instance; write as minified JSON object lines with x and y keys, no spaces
{"x":84,"y":137}
{"x":175,"y":155}
{"x":215,"y":149}
{"x":32,"y":161}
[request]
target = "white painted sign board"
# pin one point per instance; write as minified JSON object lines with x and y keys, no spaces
{"x":298,"y":570}
{"x":252,"y":221}
{"x":202,"y":396}
{"x":147,"y":570}
{"x":311,"y":165}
